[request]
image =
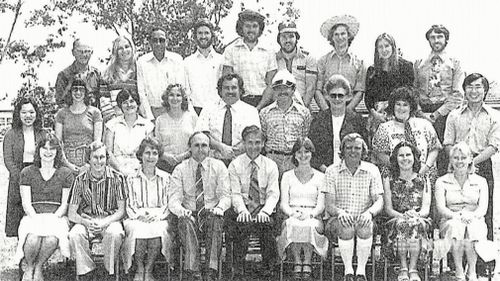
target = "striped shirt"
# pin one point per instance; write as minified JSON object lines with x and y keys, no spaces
{"x":98,"y":197}
{"x":147,"y":193}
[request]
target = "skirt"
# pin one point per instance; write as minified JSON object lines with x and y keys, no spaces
{"x":44,"y":225}
{"x":456,"y":229}
{"x":303,"y":231}
{"x":135,"y":229}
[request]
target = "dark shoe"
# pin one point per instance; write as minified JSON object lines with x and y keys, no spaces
{"x":360,"y":278}
{"x":349,"y":277}
{"x":86,"y":277}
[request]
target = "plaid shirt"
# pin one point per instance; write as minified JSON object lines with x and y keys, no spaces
{"x":283,"y":128}
{"x":353,"y":193}
{"x":350,"y":66}
{"x":252,"y":65}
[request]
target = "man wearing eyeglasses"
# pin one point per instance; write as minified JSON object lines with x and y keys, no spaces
{"x":155,"y":71}
{"x":284,"y":121}
{"x":476,"y":124}
{"x":80,"y":68}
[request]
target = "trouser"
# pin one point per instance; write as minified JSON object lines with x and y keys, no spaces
{"x":239,"y":234}
{"x":485,"y":170}
{"x":190,"y":236}
{"x":79,"y":241}
{"x":284,"y":162}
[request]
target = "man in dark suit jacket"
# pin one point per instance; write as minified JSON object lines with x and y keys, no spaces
{"x":330,"y":126}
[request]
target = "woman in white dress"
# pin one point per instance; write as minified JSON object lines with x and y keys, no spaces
{"x":303,"y":203}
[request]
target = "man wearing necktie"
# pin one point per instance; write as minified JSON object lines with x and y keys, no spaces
{"x":199,"y":197}
{"x":254,"y":193}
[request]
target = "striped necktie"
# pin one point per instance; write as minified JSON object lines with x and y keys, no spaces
{"x":200,"y":200}
{"x":254,"y":205}
{"x":227,"y":127}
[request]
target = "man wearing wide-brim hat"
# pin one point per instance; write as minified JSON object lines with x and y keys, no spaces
{"x":255,"y":63}
{"x":340,"y":32}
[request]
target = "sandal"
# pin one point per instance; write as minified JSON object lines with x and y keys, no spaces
{"x":403,"y":275}
{"x":414,"y":275}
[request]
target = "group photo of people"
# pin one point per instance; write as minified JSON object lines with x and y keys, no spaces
{"x":188,"y":161}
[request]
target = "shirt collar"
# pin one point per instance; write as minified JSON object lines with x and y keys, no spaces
{"x":247,"y":160}
{"x":299,"y":54}
{"x":141,"y":174}
{"x":484,"y":107}
{"x":362,"y":166}
{"x":194,"y":164}
{"x":442,"y":55}
{"x":140,"y":121}
{"x":200,"y":55}
{"x":166,"y":57}
{"x":333,"y":54}
{"x":107,"y":174}
{"x":241,"y":44}
{"x":294,"y":105}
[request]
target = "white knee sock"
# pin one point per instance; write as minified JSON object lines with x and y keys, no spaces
{"x":363,"y":250}
{"x":346,"y":248}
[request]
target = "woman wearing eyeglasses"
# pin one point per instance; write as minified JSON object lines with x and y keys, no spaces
{"x":330,"y":126}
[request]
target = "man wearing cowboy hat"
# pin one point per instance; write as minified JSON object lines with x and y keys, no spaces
{"x":297,"y":61}
{"x":255,"y":63}
{"x":340,"y":32}
{"x":203,"y":68}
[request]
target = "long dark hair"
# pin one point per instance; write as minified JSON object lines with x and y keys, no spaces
{"x":394,"y":166}
{"x":393,"y":59}
{"x":16,"y":115}
{"x":53,"y":142}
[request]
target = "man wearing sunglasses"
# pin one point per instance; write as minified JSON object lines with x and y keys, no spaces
{"x":155,"y":71}
{"x":80,"y":68}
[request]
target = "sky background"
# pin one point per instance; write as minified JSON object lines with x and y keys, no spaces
{"x":474,"y":28}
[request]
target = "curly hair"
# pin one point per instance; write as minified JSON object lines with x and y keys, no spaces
{"x":168,"y":91}
{"x":406,"y":94}
{"x":393,"y":159}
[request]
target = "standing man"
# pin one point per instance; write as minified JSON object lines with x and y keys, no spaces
{"x":298,"y":62}
{"x":80,"y":68}
{"x":255,"y":193}
{"x":225,"y":119}
{"x":438,"y":79}
{"x":354,"y":191}
{"x":478,"y":125}
{"x":203,"y":68}
{"x":284,"y":121}
{"x":340,"y":32}
{"x":155,"y":71}
{"x":255,"y":63}
{"x":199,"y":197}
{"x":97,"y":205}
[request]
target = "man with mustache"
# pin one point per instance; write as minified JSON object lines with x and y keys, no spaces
{"x":203,"y":68}
{"x":438,"y":79}
{"x":249,"y":58}
{"x":284,"y":121}
{"x":224,"y":120}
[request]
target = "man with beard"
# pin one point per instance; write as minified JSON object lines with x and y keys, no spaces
{"x":340,"y":32}
{"x":438,"y":79}
{"x":80,"y":68}
{"x":203,"y":67}
{"x":298,"y":62}
{"x":226,"y":118}
{"x":255,"y":63}
{"x":155,"y":71}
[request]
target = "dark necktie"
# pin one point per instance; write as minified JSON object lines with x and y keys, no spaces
{"x":227,"y":127}
{"x":254,"y":205}
{"x":200,"y":200}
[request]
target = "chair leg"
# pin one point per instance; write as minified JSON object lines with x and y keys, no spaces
{"x":373,"y":264}
{"x":385,"y":268}
{"x":320,"y":268}
{"x":281,"y":270}
{"x":333,"y":263}
{"x":180,"y":263}
{"x":117,"y":270}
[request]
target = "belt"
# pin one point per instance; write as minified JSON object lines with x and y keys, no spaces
{"x":279,"y":152}
{"x":252,"y":96}
{"x":302,"y":206}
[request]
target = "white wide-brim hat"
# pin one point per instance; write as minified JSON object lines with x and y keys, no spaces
{"x":351,"y":22}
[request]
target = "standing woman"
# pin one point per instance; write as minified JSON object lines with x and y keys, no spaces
{"x":44,"y":189}
{"x":77,"y":125}
{"x":124,"y":133}
{"x":389,"y":72}
{"x":303,"y":203}
{"x":174,"y":127}
{"x":120,"y":74}
{"x":407,"y":201}
{"x":18,"y":151}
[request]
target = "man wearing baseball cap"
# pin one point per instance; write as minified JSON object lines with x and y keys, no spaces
{"x":340,"y":32}
{"x":298,"y":62}
{"x":247,"y":57}
{"x":284,"y":121}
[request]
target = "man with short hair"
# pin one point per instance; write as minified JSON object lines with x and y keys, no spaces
{"x":298,"y":62}
{"x":284,"y":121}
{"x":249,"y":58}
{"x":97,"y":205}
{"x":340,"y":32}
{"x":227,"y":117}
{"x":354,"y":191}
{"x":155,"y":71}
{"x":255,"y":193}
{"x":80,"y":68}
{"x":203,"y":68}
{"x":200,"y":195}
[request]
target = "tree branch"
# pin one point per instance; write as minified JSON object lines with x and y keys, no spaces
{"x":16,"y":15}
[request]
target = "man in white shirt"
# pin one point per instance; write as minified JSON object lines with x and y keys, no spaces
{"x":203,"y":68}
{"x":226,"y":119}
{"x":155,"y":71}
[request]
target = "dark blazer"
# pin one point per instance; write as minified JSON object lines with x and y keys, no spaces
{"x":321,"y":134}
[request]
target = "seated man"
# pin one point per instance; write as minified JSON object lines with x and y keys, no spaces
{"x":199,"y":197}
{"x":354,"y":191}
{"x":96,"y":207}
{"x":255,"y":193}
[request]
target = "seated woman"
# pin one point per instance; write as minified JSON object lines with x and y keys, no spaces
{"x":303,"y":203}
{"x":462,"y":201}
{"x":407,"y":200}
{"x":44,"y":190}
{"x":146,"y":226}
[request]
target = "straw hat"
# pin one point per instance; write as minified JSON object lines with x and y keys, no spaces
{"x":351,"y":22}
